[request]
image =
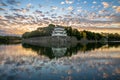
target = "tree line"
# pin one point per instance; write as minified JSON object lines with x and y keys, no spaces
{"x":46,"y":31}
{"x":9,"y":39}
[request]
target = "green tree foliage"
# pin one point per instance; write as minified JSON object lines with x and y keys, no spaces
{"x":73,"y":32}
{"x":92,"y":35}
{"x":114,"y":37}
{"x":84,"y":35}
{"x":42,"y":31}
{"x":8,"y":39}
{"x":26,"y":35}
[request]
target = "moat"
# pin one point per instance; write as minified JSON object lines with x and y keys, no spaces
{"x":92,"y":61}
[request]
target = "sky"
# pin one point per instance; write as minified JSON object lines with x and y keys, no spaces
{"x":19,"y":16}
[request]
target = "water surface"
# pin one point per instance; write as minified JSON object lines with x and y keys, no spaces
{"x":93,"y":61}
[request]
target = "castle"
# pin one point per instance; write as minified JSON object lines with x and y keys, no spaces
{"x":59,"y":31}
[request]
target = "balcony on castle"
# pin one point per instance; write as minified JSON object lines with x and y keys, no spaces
{"x":59,"y":31}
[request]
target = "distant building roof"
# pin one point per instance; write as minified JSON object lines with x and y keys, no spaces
{"x":59,"y":31}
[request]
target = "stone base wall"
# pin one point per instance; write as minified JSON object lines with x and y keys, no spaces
{"x":62,"y":41}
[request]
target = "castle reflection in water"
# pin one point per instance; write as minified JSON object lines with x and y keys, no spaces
{"x":60,"y":50}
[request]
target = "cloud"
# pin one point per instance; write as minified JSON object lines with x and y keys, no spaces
{"x":38,"y":12}
{"x":29,"y":5}
{"x":69,"y":1}
{"x":16,"y":10}
{"x":1,"y":17}
{"x":47,"y":12}
{"x":115,"y":18}
{"x":70,"y":8}
{"x":94,"y":2}
{"x":53,"y":15}
{"x":79,"y":10}
{"x":13,"y":2}
{"x":21,"y":17}
{"x":63,"y":9}
{"x":3,"y":22}
{"x":2,"y":9}
{"x":54,"y":7}
{"x":45,"y":18}
{"x":23,"y":10}
{"x":3,"y":32}
{"x":40,"y":6}
{"x":85,"y":2}
{"x":118,"y":9}
{"x":105,"y":4}
{"x":114,"y":7}
{"x":3,"y":4}
{"x":68,"y":13}
{"x":93,"y":7}
{"x":101,"y":12}
{"x":60,"y":17}
{"x":10,"y":17}
{"x":67,"y":16}
{"x":62,"y":3}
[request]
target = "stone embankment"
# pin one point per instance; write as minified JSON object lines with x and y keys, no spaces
{"x":51,"y":41}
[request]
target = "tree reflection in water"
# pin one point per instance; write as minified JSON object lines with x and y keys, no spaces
{"x":58,"y":51}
